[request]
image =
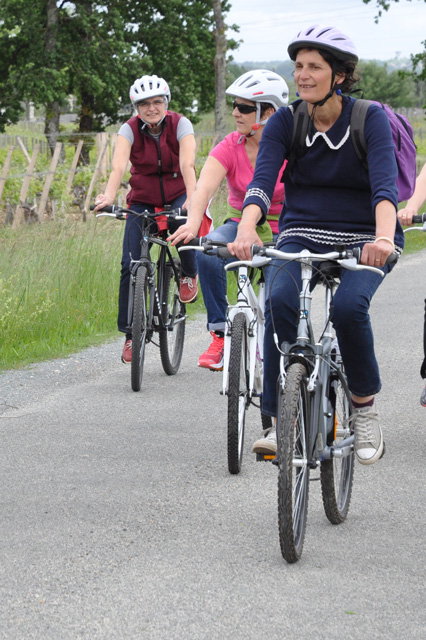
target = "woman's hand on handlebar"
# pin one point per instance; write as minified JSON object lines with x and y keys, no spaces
{"x":102,"y":201}
{"x":184,"y":233}
{"x":405,"y":216}
{"x":246,"y":238}
{"x":375,"y":254}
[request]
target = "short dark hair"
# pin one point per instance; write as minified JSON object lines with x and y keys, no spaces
{"x":344,"y":67}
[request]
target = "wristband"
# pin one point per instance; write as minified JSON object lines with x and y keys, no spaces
{"x":387,"y":240}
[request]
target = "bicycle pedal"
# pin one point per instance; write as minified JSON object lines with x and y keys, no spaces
{"x":266,"y":457}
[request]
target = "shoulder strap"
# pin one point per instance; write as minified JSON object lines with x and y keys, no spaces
{"x":300,"y":130}
{"x":359,"y":112}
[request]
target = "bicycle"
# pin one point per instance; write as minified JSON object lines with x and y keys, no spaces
{"x":314,"y":404}
{"x":154,"y":305}
{"x":243,"y":348}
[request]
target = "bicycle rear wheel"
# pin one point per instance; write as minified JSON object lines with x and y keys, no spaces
{"x":293,"y":468}
{"x":173,"y":314}
{"x":238,"y":377}
{"x":337,"y":473}
{"x":139,"y":327}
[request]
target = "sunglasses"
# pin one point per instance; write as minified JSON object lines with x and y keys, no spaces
{"x":243,"y":108}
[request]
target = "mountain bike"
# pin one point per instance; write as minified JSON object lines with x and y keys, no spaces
{"x":243,"y":347}
{"x":314,"y":404}
{"x":154,"y":305}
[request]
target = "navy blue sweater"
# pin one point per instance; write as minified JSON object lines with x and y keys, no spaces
{"x":331,"y":197}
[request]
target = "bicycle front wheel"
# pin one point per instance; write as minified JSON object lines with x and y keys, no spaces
{"x":238,"y":378}
{"x":172,"y":334}
{"x":139,"y":327}
{"x":337,"y":473}
{"x":293,"y":468}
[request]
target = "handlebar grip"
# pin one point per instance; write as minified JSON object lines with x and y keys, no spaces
{"x":108,"y":209}
{"x":419,"y":218}
{"x":222,"y":252}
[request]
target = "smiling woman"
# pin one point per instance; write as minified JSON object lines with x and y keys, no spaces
{"x":331,"y":198}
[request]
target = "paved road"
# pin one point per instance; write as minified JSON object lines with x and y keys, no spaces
{"x":120,"y":520}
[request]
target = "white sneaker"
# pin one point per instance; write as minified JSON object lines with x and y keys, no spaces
{"x":368,"y":434}
{"x":267,"y":443}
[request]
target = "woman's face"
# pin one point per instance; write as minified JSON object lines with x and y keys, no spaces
{"x":312,"y":75}
{"x":244,"y":121}
{"x":153,"y":109}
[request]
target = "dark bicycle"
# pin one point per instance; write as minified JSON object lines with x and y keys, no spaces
{"x":154,"y":305}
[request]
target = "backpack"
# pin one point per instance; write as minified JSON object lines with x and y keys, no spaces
{"x":402,"y":136}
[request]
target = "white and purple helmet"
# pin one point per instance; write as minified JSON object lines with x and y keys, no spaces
{"x":149,"y":87}
{"x":329,"y":39}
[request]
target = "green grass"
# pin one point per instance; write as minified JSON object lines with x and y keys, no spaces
{"x":58,"y":289}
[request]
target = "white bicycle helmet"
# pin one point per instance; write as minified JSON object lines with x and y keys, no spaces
{"x":261,"y":85}
{"x":330,"y":39}
{"x":149,"y":87}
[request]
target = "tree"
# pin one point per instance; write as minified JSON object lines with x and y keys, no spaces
{"x":396,"y":88}
{"x":418,"y":60}
{"x":50,"y":49}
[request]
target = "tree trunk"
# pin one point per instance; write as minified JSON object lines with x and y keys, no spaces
{"x":87,"y":110}
{"x":53,"y":109}
{"x":220,"y":72}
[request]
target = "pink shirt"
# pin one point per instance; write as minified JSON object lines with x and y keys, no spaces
{"x":239,"y":173}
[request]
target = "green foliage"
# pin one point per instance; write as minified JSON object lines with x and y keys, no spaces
{"x":96,"y":50}
{"x":396,"y":88}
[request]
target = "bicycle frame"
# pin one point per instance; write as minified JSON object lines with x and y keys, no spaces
{"x":316,"y":356}
{"x":253,"y":308}
{"x":155,"y":320}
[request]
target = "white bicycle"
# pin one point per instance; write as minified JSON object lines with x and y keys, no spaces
{"x":243,"y":347}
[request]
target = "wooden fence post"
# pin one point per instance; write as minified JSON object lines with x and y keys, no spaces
{"x":25,"y":186}
{"x":48,"y":180}
{"x":24,"y":151}
{"x":73,"y":167}
{"x":5,"y":170}
{"x":95,"y":176}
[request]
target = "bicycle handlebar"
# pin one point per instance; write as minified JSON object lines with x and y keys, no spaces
{"x":115,"y":211}
{"x":212,"y":247}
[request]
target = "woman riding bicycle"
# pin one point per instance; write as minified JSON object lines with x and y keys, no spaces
{"x":160,"y":145}
{"x":331,"y":198}
{"x":258,"y":94}
{"x":405,"y":216}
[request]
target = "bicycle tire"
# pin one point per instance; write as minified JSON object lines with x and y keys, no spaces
{"x":293,"y":467}
{"x":238,"y":376}
{"x":173,"y":314}
{"x":337,"y":474}
{"x":139,"y":327}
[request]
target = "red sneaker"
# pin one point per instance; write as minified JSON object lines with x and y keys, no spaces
{"x":126,"y":356}
{"x":188,"y":289}
{"x":213,"y":357}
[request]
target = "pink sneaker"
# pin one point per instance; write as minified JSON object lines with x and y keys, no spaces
{"x":213,"y":357}
{"x":126,"y":356}
{"x":188,"y":289}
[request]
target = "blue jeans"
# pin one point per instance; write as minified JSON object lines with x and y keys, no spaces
{"x":132,"y":243}
{"x":350,"y":319}
{"x":213,"y":277}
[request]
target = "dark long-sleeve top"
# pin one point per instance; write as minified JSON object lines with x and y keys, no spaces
{"x":331,"y":197}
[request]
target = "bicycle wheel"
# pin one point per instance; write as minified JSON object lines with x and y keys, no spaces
{"x":293,"y":468}
{"x":139,"y":327}
{"x":173,"y":316}
{"x":238,"y":373}
{"x":337,"y":474}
